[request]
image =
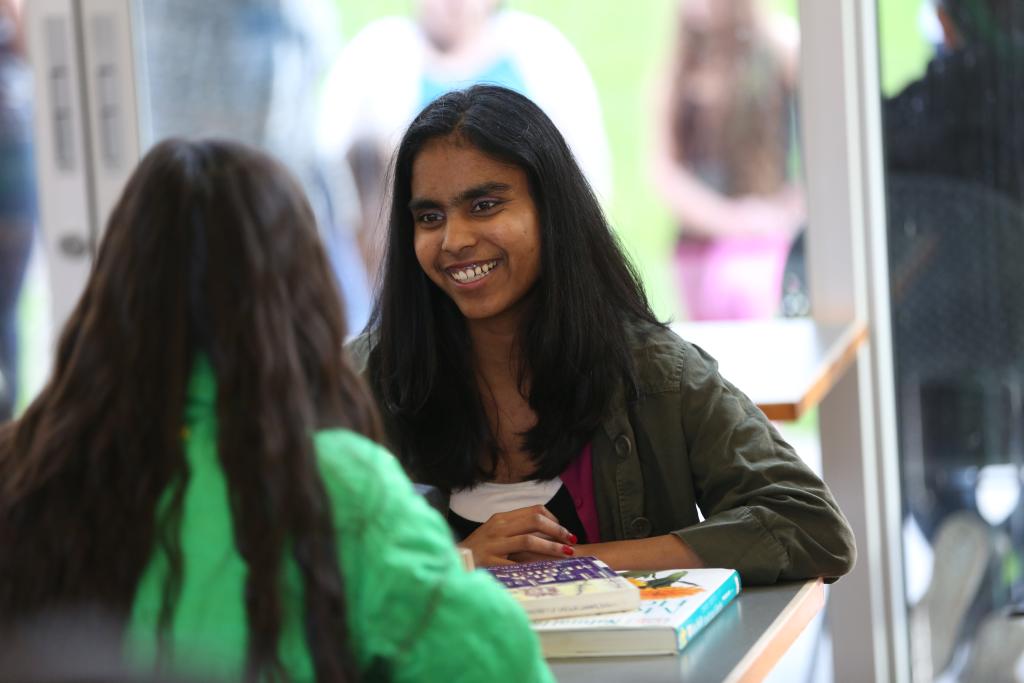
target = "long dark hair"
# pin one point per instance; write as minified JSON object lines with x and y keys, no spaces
{"x":573,"y":340}
{"x":213,"y":250}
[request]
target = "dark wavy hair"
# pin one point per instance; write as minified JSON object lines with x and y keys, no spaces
{"x":573,"y":339}
{"x":212,"y":249}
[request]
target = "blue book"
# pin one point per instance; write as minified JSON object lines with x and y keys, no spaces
{"x":675,"y":606}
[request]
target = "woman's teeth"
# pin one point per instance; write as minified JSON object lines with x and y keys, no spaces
{"x":472,"y":273}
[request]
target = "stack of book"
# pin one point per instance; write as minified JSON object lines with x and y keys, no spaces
{"x":567,"y":588}
{"x":663,"y":613}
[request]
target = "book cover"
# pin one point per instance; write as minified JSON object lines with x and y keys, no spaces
{"x":572,"y":587}
{"x":675,"y":606}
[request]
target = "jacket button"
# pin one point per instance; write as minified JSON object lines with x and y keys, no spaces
{"x":623,"y":446}
{"x":640,"y":527}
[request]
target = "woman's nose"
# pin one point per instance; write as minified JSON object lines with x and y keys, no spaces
{"x":459,"y":234}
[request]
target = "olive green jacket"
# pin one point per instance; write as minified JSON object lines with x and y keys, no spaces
{"x":692,"y":440}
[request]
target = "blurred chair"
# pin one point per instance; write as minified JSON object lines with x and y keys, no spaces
{"x":998,"y":652}
{"x":73,"y":647}
{"x":963,"y":552}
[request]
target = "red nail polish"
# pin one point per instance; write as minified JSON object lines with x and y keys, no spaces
{"x":572,"y":539}
{"x":567,"y":550}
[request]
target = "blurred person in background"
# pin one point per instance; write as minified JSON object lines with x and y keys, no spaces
{"x":964,"y":118}
{"x":200,"y":467}
{"x":395,"y":66}
{"x":723,"y":156}
{"x":251,"y":70}
{"x":17,"y":192}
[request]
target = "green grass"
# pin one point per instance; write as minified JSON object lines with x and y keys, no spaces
{"x":904,"y":52}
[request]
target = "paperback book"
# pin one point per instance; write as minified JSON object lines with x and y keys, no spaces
{"x":567,"y":588}
{"x":675,"y":606}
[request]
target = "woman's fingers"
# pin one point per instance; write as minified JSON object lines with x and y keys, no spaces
{"x":520,"y":549}
{"x":533,"y":520}
{"x":525,"y":531}
{"x":529,"y":543}
{"x":544,"y":511}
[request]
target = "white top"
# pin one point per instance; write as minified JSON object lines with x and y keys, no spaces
{"x":479,"y":503}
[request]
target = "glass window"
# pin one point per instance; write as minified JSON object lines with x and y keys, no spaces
{"x":953,"y":129}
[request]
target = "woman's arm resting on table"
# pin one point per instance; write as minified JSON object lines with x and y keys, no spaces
{"x":659,"y":552}
{"x":767,"y":514}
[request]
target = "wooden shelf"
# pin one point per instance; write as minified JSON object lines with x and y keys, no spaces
{"x":785,"y":366}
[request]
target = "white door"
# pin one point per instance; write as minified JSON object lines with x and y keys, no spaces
{"x":86,"y":129}
{"x":115,"y":76}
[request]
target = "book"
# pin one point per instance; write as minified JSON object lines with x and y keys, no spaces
{"x":572,"y":587}
{"x":675,"y":606}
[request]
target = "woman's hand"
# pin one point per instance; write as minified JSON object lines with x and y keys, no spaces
{"x":779,"y":214}
{"x":531,"y":532}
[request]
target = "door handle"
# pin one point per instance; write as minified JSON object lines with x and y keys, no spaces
{"x":61,"y":97}
{"x":109,"y":107}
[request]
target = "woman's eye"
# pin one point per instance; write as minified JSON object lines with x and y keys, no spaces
{"x":430,"y":218}
{"x":485,"y":205}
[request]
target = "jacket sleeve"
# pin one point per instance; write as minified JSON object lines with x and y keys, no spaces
{"x":766,"y":513}
{"x":415,"y":612}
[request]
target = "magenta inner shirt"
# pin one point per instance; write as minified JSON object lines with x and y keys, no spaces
{"x":578,"y":478}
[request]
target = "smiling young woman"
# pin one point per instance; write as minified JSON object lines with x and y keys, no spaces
{"x":519,"y":369}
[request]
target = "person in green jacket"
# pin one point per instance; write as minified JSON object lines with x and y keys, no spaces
{"x":202,"y":467}
{"x":521,"y":371}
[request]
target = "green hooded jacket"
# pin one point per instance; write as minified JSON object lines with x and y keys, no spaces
{"x":414,"y":613}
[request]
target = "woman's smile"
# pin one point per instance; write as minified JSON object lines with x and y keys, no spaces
{"x":471,"y":273}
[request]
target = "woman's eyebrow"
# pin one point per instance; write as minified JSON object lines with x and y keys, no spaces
{"x":417,"y":203}
{"x":469,"y":194}
{"x":481,"y":190}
